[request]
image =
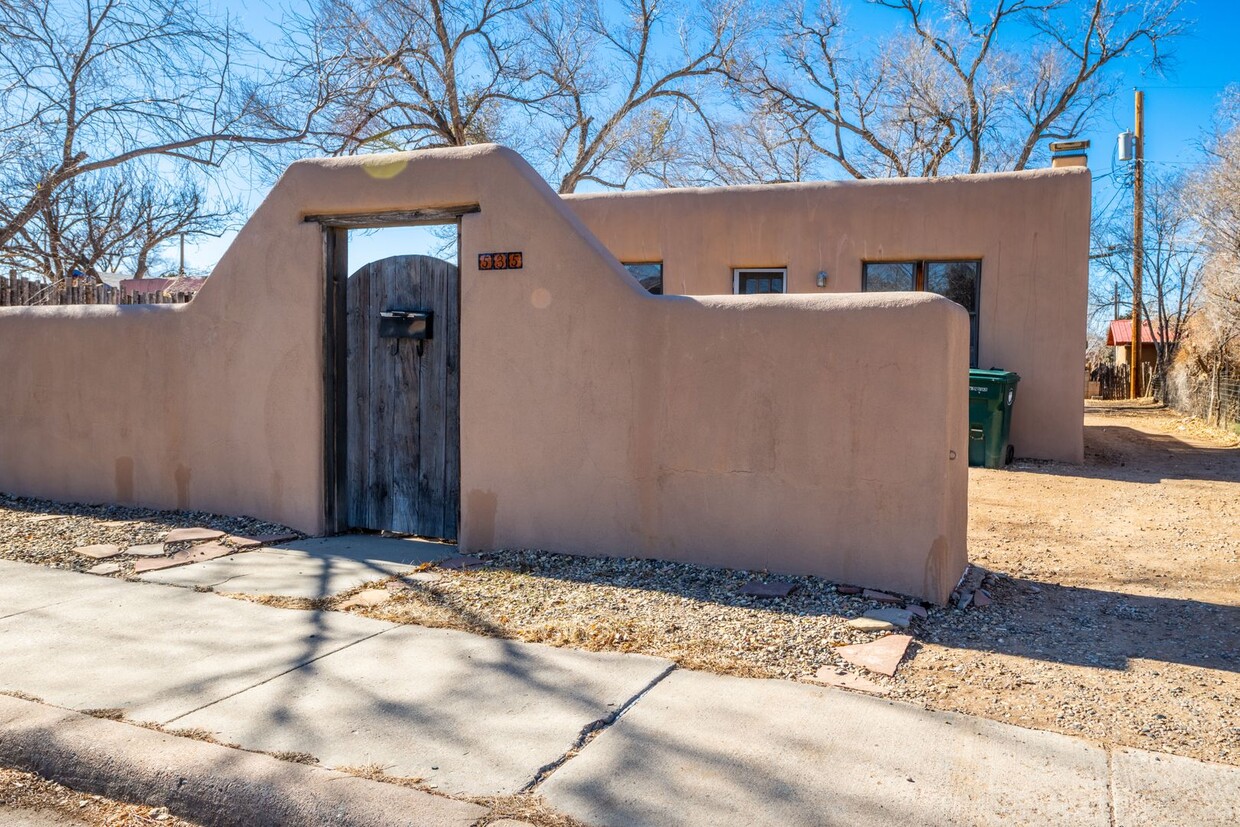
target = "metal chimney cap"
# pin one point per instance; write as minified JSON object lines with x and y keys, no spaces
{"x":1068,"y":146}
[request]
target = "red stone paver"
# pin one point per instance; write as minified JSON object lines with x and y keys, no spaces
{"x":183,"y":535}
{"x":882,"y":656}
{"x":830,"y":676}
{"x":99,"y":551}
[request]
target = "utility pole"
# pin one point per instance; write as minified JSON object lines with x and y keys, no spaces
{"x":1138,"y":240}
{"x":182,"y":254}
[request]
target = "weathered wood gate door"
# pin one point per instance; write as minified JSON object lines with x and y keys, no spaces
{"x":403,"y":427}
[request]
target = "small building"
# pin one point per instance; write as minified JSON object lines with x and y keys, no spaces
{"x":1119,"y":336}
{"x":1010,"y":248}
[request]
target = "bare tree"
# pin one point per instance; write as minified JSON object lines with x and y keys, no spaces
{"x":1171,"y":265}
{"x":1214,"y":345}
{"x":91,"y":85}
{"x":960,"y":86}
{"x":412,"y":74}
{"x":630,"y":82}
{"x":112,"y":223}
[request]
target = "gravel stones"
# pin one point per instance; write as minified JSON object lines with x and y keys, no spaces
{"x":46,"y":532}
{"x":757,"y":588}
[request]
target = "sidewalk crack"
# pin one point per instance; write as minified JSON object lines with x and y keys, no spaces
{"x":293,"y":668}
{"x":592,"y":730}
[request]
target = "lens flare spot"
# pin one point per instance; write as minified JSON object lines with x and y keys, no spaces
{"x":541,"y":298}
{"x":383,"y":168}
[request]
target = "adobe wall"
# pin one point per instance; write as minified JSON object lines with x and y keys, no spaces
{"x":758,"y":433}
{"x":1030,"y":230}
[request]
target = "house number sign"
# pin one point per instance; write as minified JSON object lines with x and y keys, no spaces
{"x":500,"y":261}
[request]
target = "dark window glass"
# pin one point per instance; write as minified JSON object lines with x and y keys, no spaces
{"x":957,"y":280}
{"x":751,"y":282}
{"x":889,"y":275}
{"x":649,"y":273}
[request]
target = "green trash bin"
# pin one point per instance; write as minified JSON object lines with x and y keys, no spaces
{"x":991,"y":394}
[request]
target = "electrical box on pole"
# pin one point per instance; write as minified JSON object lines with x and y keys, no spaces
{"x":1125,"y":146}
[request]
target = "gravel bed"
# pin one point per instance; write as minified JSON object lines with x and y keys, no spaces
{"x":47,"y":532}
{"x":692,"y":614}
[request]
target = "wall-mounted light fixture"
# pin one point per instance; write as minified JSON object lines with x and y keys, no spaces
{"x":822,"y":278}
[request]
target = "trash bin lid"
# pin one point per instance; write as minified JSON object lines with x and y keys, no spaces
{"x":994,"y":375}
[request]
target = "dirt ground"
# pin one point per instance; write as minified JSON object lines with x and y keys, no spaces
{"x":1120,"y":618}
{"x":27,"y":799}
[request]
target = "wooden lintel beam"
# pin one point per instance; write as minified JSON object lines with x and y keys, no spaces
{"x":394,"y":218}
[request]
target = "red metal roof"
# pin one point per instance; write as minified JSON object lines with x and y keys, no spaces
{"x":1120,"y":333}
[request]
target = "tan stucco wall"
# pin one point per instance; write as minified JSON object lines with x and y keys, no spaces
{"x":811,"y":434}
{"x":1030,"y":229}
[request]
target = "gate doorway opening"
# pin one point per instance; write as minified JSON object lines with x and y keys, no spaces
{"x":392,"y":372}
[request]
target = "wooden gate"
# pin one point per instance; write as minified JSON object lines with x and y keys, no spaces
{"x":403,"y":386}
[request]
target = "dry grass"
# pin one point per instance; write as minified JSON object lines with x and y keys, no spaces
{"x":25,"y":793}
{"x":525,"y":807}
{"x":307,"y":604}
{"x":378,"y":772}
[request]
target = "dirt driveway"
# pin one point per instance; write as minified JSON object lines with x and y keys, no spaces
{"x":1120,"y":618}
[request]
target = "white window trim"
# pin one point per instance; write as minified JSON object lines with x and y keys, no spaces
{"x":736,"y":276}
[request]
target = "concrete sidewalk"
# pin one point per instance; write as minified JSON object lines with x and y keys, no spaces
{"x":611,"y":739}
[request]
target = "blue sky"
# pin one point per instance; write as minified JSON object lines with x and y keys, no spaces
{"x":1178,"y":107}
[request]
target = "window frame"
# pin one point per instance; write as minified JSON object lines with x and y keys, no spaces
{"x":736,"y":279}
{"x":920,"y":266}
{"x":628,"y":264}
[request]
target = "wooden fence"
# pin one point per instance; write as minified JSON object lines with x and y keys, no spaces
{"x":15,"y":291}
{"x":1107,"y":381}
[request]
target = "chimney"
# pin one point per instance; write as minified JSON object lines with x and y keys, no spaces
{"x":1069,"y":154}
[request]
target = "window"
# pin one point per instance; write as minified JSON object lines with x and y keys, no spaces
{"x":648,"y":273}
{"x":959,"y":281}
{"x":761,"y":280}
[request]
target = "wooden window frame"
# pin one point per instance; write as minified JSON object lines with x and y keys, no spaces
{"x":736,"y":278}
{"x":919,"y":285}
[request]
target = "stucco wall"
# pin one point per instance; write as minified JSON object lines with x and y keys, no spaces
{"x":1030,"y":230}
{"x":810,"y":434}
